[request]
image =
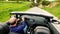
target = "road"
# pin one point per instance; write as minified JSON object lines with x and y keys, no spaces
{"x":40,"y":11}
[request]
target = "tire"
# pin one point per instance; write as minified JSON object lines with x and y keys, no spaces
{"x":41,"y":30}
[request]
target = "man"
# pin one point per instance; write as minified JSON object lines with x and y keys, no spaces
{"x":15,"y":27}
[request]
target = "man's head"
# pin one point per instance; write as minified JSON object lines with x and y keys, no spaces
{"x":12,"y":20}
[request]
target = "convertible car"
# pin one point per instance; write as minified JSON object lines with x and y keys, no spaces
{"x":36,"y":23}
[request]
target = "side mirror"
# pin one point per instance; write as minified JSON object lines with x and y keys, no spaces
{"x":55,"y":21}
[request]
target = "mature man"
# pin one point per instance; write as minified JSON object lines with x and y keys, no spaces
{"x":15,"y":27}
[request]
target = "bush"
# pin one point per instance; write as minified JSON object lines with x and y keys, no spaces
{"x":38,"y":1}
{"x":45,"y":3}
{"x":55,"y":10}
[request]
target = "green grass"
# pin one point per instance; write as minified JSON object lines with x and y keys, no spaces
{"x":55,"y":10}
{"x":7,"y":7}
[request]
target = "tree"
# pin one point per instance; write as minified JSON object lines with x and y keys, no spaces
{"x":45,"y":3}
{"x":17,"y":1}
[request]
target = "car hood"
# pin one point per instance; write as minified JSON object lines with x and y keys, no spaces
{"x":34,"y":10}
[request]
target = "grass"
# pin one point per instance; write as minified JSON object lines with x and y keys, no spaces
{"x":7,"y":7}
{"x":55,"y":10}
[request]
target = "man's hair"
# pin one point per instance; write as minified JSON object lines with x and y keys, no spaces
{"x":12,"y":20}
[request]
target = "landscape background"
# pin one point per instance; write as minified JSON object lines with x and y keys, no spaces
{"x":7,"y":6}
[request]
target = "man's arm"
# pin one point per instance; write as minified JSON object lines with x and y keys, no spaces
{"x":21,"y":27}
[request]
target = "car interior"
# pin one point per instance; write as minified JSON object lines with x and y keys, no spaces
{"x":35,"y":25}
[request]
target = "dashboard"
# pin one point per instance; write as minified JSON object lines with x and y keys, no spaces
{"x":31,"y":20}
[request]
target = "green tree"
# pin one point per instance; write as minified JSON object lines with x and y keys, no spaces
{"x":17,"y":1}
{"x":45,"y":3}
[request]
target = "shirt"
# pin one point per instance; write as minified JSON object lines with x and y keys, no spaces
{"x":19,"y":28}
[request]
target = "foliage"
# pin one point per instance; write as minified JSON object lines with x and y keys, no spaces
{"x":38,"y":1}
{"x":15,"y":0}
{"x":55,"y":10}
{"x":1,"y":0}
{"x":6,"y":8}
{"x":45,"y":2}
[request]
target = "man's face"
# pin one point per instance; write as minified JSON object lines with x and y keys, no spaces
{"x":12,"y":20}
